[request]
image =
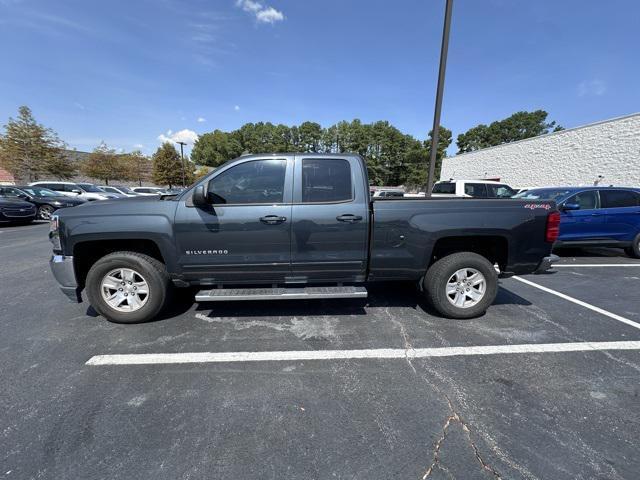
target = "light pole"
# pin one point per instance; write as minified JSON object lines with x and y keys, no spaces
{"x":182,"y":144}
{"x":439,"y":92}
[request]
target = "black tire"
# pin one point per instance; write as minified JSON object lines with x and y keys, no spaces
{"x":153,"y":271}
{"x":45,"y":212}
{"x":634,"y":250}
{"x":435,"y":282}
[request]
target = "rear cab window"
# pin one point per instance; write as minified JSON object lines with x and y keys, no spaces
{"x":326,"y":181}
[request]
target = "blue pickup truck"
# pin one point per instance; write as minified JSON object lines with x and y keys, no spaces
{"x":294,"y":226}
{"x":595,"y":216}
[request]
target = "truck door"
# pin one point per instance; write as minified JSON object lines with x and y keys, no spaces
{"x":244,"y":236}
{"x":330,"y":220}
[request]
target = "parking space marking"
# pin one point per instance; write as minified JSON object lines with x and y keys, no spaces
{"x":567,"y":265}
{"x":380,"y":353}
{"x":579,"y":302}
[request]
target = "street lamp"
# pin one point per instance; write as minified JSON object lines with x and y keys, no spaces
{"x":439,"y":91}
{"x":182,"y":144}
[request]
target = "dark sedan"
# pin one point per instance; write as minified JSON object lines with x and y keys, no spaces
{"x":46,"y":201}
{"x":14,"y":210}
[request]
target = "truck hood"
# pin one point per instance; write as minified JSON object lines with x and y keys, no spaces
{"x":127,"y":206}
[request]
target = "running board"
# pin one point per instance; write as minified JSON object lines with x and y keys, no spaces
{"x":231,"y":294}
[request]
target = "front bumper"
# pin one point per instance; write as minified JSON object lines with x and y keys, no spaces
{"x":64,"y":273}
{"x":547,"y":263}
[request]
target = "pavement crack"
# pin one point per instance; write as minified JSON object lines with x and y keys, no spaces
{"x":406,"y":342}
{"x":454,"y":417}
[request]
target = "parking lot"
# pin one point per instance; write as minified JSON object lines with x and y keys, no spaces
{"x":342,"y":388}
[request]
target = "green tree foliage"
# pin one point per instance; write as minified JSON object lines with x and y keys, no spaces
{"x":167,"y":166}
{"x":29,"y":150}
{"x":138,"y":166}
{"x":393,"y":158}
{"x":518,"y":126}
{"x":104,"y":164}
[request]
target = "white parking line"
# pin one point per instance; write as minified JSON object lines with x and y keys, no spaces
{"x":381,"y":353}
{"x":579,"y":302}
{"x":567,"y":265}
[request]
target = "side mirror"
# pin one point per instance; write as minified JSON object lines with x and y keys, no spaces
{"x":199,"y":196}
{"x":570,"y":206}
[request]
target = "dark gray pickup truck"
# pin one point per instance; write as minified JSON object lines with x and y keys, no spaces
{"x":294,"y":226}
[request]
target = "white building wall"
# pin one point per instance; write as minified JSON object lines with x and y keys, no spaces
{"x":569,"y":157}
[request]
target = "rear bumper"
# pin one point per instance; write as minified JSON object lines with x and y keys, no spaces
{"x":65,"y":275}
{"x":547,"y":263}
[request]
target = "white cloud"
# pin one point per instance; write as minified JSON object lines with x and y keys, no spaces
{"x":236,"y":108}
{"x":592,"y":87}
{"x":201,"y":120}
{"x":262,"y":13}
{"x":138,"y":146}
{"x":187,"y":136}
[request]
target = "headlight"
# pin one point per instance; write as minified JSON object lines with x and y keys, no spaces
{"x":54,"y":232}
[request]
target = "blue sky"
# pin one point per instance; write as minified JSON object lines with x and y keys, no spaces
{"x":134,"y":72}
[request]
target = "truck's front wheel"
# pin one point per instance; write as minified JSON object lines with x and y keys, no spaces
{"x":128,"y":287}
{"x":461,"y":285}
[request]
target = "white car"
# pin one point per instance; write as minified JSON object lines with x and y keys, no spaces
{"x":472,"y":189}
{"x":149,"y":190}
{"x":388,"y":193}
{"x":86,"y":191}
{"x":119,"y":190}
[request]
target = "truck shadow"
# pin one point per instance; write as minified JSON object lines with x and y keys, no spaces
{"x":396,"y":294}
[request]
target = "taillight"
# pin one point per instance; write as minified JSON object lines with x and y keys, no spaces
{"x":553,"y":227}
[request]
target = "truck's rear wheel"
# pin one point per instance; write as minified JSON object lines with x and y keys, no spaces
{"x":128,"y":287}
{"x":461,"y":285}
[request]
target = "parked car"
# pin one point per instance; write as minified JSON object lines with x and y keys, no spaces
{"x":472,"y":189}
{"x":388,"y":193}
{"x":595,"y":216}
{"x":85,"y":191}
{"x":149,"y":190}
{"x":119,"y":190}
{"x":15,"y":210}
{"x":46,"y":201}
{"x":294,"y":226}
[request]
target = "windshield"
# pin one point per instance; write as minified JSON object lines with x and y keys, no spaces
{"x":88,"y":187}
{"x":444,"y":187}
{"x":40,"y":192}
{"x":544,"y":194}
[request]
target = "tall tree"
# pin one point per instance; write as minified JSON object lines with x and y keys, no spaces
{"x":138,"y":166}
{"x":104,"y":164}
{"x":30,"y":150}
{"x":167,"y":167}
{"x":518,"y":126}
{"x":215,"y":148}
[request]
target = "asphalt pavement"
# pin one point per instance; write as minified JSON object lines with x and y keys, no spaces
{"x":513,"y":410}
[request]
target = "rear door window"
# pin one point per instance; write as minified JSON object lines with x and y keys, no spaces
{"x":477,"y":190}
{"x":619,"y":198}
{"x":326,"y":181}
{"x":448,"y":188}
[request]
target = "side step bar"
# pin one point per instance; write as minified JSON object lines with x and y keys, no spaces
{"x":231,"y":294}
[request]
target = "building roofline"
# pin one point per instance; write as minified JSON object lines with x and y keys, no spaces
{"x":615,"y":119}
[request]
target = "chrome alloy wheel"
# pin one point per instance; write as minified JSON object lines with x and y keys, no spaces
{"x":124,"y":290}
{"x":45,"y":212}
{"x":466,"y":287}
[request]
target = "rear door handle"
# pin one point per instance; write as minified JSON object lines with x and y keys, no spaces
{"x":349,"y":218}
{"x":597,"y":214}
{"x":273,"y":219}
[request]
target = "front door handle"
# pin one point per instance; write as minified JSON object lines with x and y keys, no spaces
{"x":597,"y":214}
{"x":273,"y":219}
{"x":349,"y":218}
